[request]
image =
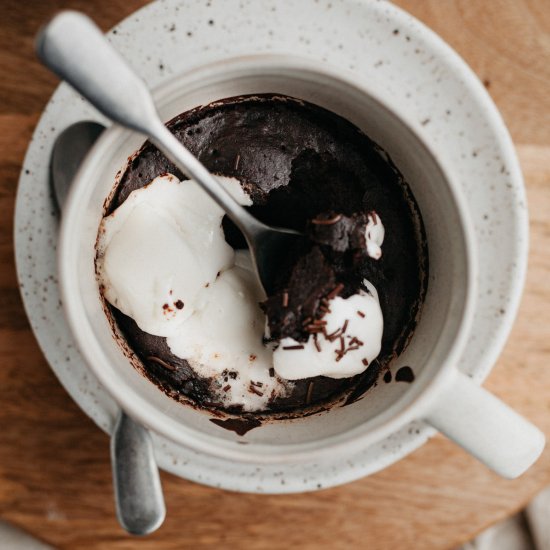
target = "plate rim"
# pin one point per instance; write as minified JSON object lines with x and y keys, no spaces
{"x":505,"y":322}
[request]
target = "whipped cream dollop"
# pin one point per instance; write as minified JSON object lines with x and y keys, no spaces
{"x":348,"y":340}
{"x":374,"y":235}
{"x":162,"y":260}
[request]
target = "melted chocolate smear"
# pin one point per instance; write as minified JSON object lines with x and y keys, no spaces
{"x":237,"y":425}
{"x":404,"y":374}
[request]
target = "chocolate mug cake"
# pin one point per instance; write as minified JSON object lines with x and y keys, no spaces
{"x":177,"y":277}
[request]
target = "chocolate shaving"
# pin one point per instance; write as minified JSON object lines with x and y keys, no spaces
{"x":330,"y":221}
{"x":345,"y":327}
{"x":162,"y":363}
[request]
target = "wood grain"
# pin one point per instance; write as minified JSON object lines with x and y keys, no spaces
{"x":54,"y":463}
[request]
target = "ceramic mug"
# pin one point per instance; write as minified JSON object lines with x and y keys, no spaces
{"x":440,"y":394}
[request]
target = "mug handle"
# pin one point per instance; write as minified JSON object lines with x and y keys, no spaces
{"x":486,"y":427}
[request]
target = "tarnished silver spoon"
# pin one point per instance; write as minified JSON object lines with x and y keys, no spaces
{"x":74,"y":48}
{"x":138,"y":493}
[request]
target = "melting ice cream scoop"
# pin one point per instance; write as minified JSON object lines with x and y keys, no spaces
{"x":163,"y":261}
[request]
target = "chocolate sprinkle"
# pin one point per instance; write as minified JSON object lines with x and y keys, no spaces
{"x":335,"y":291}
{"x":160,"y":362}
{"x":309,"y":392}
{"x":330,"y":221}
{"x":316,"y":342}
{"x":253,"y":389}
{"x":300,"y":346}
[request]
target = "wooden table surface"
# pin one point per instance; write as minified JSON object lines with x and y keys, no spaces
{"x":55,"y":478}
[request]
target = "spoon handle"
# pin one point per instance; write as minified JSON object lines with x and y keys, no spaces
{"x":138,"y":492}
{"x":74,"y":48}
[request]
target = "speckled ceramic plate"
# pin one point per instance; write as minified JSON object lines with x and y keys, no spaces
{"x":401,"y":57}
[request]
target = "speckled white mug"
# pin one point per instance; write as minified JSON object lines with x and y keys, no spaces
{"x":440,"y":394}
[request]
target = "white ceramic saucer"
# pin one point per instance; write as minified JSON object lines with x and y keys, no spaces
{"x":407,"y":62}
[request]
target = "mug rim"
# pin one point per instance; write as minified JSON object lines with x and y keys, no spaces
{"x":143,"y":410}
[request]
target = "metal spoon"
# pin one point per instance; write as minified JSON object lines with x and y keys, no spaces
{"x":138,"y":492}
{"x":72,"y":46}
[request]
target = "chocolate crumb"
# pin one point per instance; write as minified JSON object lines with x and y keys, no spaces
{"x":272,"y":372}
{"x":227,"y":388}
{"x":365,"y":361}
{"x":179,"y":304}
{"x":404,"y":374}
{"x":252,"y":357}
